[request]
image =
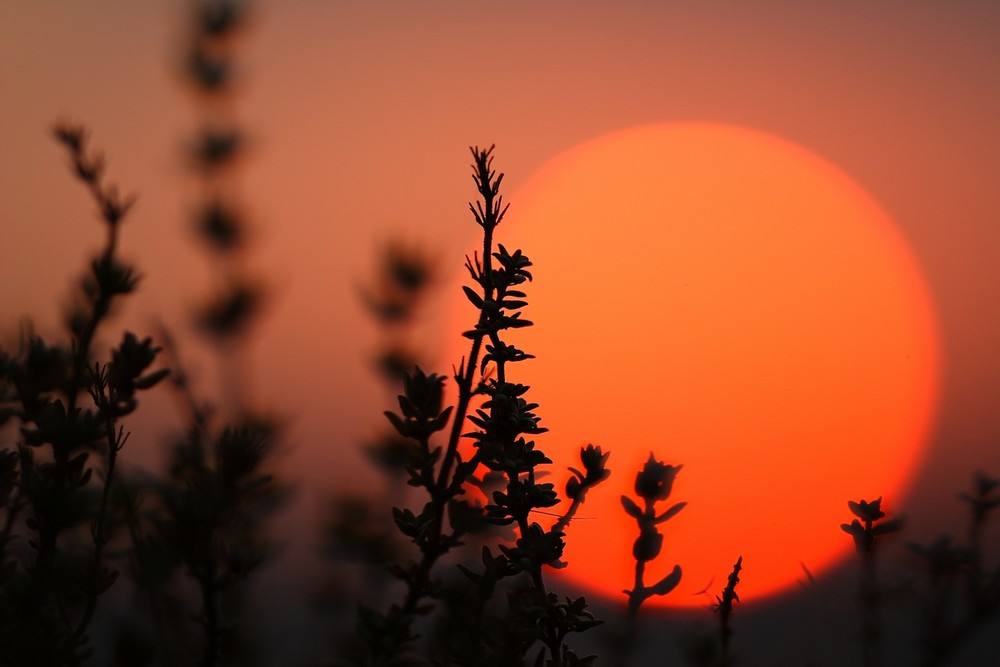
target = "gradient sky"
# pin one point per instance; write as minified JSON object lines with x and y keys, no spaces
{"x":361,"y":114}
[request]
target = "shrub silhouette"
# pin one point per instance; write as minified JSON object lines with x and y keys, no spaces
{"x":204,"y":518}
{"x":502,"y":451}
{"x":59,"y":518}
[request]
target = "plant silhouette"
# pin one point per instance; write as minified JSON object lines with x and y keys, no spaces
{"x":501,"y":423}
{"x":724,"y":605}
{"x":59,"y":518}
{"x":204,"y":518}
{"x":958,"y":594}
{"x":653,"y":484}
{"x":868,"y":525}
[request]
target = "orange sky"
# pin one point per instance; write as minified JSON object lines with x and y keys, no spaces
{"x":361,"y":113}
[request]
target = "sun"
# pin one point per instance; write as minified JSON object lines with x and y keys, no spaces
{"x":731,"y":302}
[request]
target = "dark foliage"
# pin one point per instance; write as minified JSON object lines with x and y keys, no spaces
{"x":204,"y":519}
{"x":503,"y":421}
{"x":653,"y":484}
{"x":59,"y":516}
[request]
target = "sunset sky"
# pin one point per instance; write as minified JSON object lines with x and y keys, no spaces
{"x":360,"y":116}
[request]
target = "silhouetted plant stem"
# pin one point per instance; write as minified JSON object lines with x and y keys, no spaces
{"x":871,"y":630}
{"x":210,"y":611}
{"x":653,"y":484}
{"x":594,"y":462}
{"x":421,"y":577}
{"x":724,"y":608}
{"x":563,"y":522}
{"x":443,"y":486}
{"x":864,"y":529}
{"x":488,"y":214}
{"x":214,"y":502}
{"x":108,"y":280}
{"x":502,"y":421}
{"x":47,"y":614}
{"x":101,"y":532}
{"x":635,"y":601}
{"x":983,"y":588}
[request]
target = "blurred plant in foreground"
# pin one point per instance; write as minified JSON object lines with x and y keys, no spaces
{"x":959,"y":593}
{"x":358,"y":536}
{"x":205,"y":518}
{"x":869,"y":524}
{"x":54,"y":563}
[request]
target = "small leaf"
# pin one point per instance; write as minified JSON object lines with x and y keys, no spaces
{"x":147,"y":381}
{"x":854,"y":528}
{"x":671,"y":512}
{"x":513,"y":304}
{"x":667,"y":583}
{"x":630,"y":507}
{"x":397,"y":423}
{"x":476,"y":300}
{"x":886,"y":527}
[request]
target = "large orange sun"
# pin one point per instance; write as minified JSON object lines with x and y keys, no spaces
{"x":733,"y":303}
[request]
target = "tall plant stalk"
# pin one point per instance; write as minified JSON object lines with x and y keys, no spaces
{"x":47,"y":607}
{"x":501,"y":424}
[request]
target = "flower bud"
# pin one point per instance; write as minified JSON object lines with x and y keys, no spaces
{"x":656,"y":480}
